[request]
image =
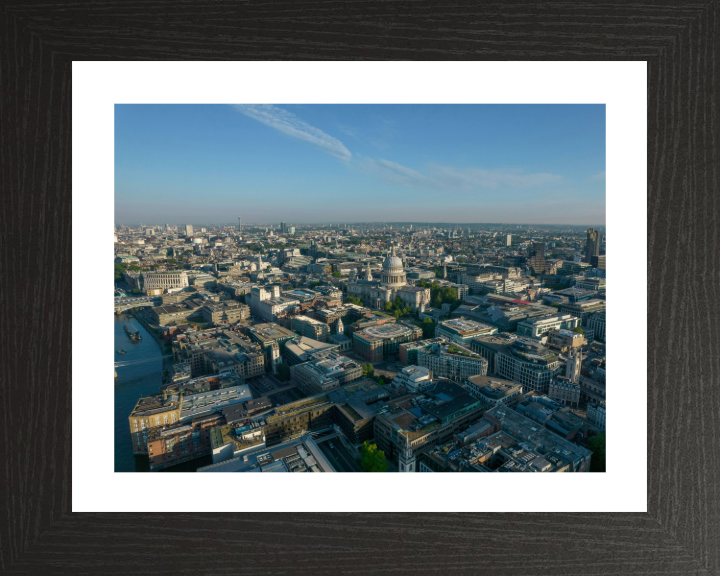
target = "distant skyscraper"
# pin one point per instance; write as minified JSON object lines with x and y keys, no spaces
{"x":536,"y":260}
{"x":538,"y":249}
{"x":283,"y":227}
{"x":188,"y":230}
{"x":592,"y":248}
{"x":239,"y":224}
{"x":508,"y":240}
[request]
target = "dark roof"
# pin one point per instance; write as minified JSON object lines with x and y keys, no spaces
{"x":283,"y":452}
{"x":258,"y":403}
{"x":234,"y":412}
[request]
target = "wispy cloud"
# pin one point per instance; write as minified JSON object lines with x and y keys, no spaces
{"x":598,"y":176}
{"x":445,"y":178}
{"x":468,"y":179}
{"x":348,"y":131}
{"x":451,"y":179}
{"x":287,"y":123}
{"x":394,"y":173}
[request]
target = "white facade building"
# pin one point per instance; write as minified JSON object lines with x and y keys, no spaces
{"x":596,"y":414}
{"x":414,"y":378}
{"x":164,"y":280}
{"x":596,"y":322}
{"x":536,"y":328}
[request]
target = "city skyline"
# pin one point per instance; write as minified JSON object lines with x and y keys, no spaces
{"x":513,"y":164}
{"x":278,"y":222}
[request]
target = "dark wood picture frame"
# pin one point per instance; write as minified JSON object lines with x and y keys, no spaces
{"x":680,"y":534}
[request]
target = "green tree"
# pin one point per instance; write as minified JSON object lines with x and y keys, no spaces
{"x":119,"y":270}
{"x":388,"y":306}
{"x":354,"y":300}
{"x":428,"y":327}
{"x":381,"y":381}
{"x":373,"y":460}
{"x":171,"y":261}
{"x":597,"y":445}
{"x":283,"y":372}
{"x":368,"y":370}
{"x":579,"y":330}
{"x":134,"y":268}
{"x":337,"y":275}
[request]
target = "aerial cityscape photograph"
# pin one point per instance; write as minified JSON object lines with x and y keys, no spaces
{"x":360,"y":288}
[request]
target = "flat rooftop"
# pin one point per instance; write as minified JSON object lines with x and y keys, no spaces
{"x":545,"y":319}
{"x":464,"y":327}
{"x":297,"y":455}
{"x":305,"y":346}
{"x":270,"y":332}
{"x":385,"y":331}
{"x":214,"y":400}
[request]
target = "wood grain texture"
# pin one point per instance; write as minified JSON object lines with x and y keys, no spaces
{"x":681,"y":532}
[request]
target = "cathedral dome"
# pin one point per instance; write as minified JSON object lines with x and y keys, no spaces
{"x":393,"y":273}
{"x":392,"y":262}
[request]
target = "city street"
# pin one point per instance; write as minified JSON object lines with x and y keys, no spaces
{"x":265,"y":385}
{"x":338,"y":456}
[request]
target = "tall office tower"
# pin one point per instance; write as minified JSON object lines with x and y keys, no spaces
{"x":592,"y":248}
{"x":536,"y":260}
{"x":282,"y":228}
{"x":239,"y":224}
{"x":188,"y":230}
{"x":538,"y":249}
{"x":508,"y":240}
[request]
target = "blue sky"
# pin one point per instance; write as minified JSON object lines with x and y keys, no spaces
{"x":206,"y":164}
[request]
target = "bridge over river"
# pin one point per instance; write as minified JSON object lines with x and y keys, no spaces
{"x":122,"y":304}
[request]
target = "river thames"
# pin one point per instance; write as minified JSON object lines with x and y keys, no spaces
{"x":141,"y":377}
